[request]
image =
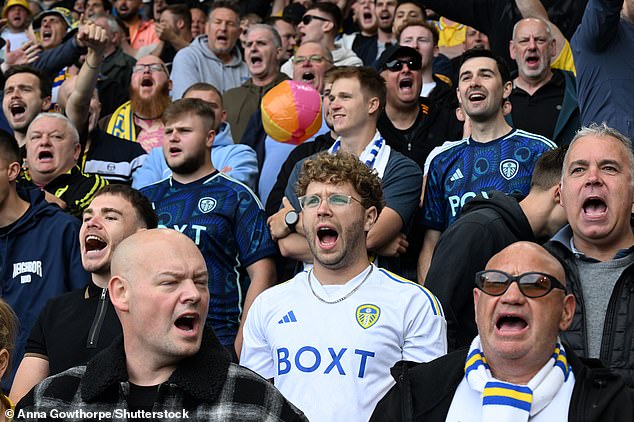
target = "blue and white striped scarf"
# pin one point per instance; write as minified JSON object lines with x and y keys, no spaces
{"x":502,"y":401}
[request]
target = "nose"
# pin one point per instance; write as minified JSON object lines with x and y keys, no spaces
{"x":593,"y":176}
{"x":190,"y":292}
{"x":513,"y":295}
{"x":532,"y":44}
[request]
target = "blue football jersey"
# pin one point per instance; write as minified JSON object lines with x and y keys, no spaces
{"x":228,"y":224}
{"x":467,"y":168}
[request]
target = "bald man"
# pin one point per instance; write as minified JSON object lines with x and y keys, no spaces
{"x":516,"y":368}
{"x":174,"y":367}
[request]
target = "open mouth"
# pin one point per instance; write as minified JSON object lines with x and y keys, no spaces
{"x":174,"y":150}
{"x":221,"y":37}
{"x":406,"y":83}
{"x":510,"y":323}
{"x":46,"y":35}
{"x":327,"y":237}
{"x":476,"y":97}
{"x":186,"y":322}
{"x":308,"y":77}
{"x":532,"y":60}
{"x":147,"y":82}
{"x":594,"y":207}
{"x":17,"y":110}
{"x":94,"y":243}
{"x":256,"y":59}
{"x":45,"y":155}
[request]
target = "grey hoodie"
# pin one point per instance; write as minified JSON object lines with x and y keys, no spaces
{"x":197,"y":63}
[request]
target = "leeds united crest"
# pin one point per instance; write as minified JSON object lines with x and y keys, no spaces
{"x":368,"y":315}
{"x":509,"y":168}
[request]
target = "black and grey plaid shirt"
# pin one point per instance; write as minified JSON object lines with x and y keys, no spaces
{"x":205,"y":387}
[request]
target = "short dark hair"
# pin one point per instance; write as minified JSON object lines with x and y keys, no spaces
{"x":46,"y":84}
{"x":190,"y":106}
{"x":140,"y":203}
{"x":9,"y":148}
{"x":480,"y":52}
{"x":372,"y":83}
{"x":340,"y":168}
{"x":224,"y":4}
{"x":204,"y":86}
{"x":418,"y":22}
{"x":331,"y":10}
{"x":181,"y":12}
{"x":547,"y":171}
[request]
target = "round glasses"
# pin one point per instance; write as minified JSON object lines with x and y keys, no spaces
{"x":532,"y":284}
{"x":335,"y":200}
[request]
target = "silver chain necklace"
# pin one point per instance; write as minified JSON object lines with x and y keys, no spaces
{"x":347,"y":295}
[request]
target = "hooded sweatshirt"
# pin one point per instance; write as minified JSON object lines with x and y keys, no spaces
{"x":39,"y":259}
{"x":485,"y":227}
{"x":236,"y":160}
{"x":197,"y":63}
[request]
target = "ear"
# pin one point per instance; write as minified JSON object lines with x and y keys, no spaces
{"x":373,"y":105}
{"x":13,"y":171}
{"x":169,"y":84}
{"x":76,"y":151}
{"x":511,"y":50}
{"x":211,"y":135}
{"x":4,"y":361}
{"x":436,"y":51}
{"x":223,"y":117}
{"x":328,"y":26}
{"x":180,"y":24}
{"x":561,"y":197}
{"x":556,"y":194}
{"x":553,"y":48}
{"x":371,"y":215}
{"x":458,"y":96}
{"x":119,"y":291}
{"x":508,"y":88}
{"x":568,"y":312}
{"x":279,"y":54}
{"x":46,"y":103}
{"x":476,"y":298}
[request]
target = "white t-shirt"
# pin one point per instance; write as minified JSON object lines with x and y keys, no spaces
{"x":333,"y":360}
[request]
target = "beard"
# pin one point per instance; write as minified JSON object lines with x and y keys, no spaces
{"x":189,"y":166}
{"x":151,"y":108}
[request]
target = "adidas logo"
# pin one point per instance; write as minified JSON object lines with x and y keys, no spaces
{"x":457,"y":175}
{"x":289,"y":317}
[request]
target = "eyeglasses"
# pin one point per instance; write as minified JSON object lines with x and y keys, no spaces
{"x":307,"y":19}
{"x":397,"y":65}
{"x":334,"y":200}
{"x":155,"y":67}
{"x":315,"y":58}
{"x":532,"y":284}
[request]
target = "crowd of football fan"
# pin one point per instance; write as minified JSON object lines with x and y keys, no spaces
{"x":453,"y":243}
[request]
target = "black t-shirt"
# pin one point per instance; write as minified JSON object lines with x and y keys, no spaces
{"x":538,"y":113}
{"x":142,"y":397}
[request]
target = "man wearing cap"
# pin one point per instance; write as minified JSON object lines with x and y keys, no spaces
{"x":18,"y":16}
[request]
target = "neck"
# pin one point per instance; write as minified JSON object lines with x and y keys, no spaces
{"x":133,"y":20}
{"x":143,"y":370}
{"x":401,"y":117}
{"x":356,"y":143}
{"x":605,"y":250}
{"x":513,"y":372}
{"x":538,"y":207}
{"x":385,"y":36}
{"x":488,"y":131}
{"x":329,"y":42}
{"x":12,"y":208}
{"x":20,"y":137}
{"x":532,"y":85}
{"x":428,"y":75}
{"x":264,"y":80}
{"x":42,"y":180}
{"x":202,"y":171}
{"x":101,"y":279}
{"x":340,"y":276}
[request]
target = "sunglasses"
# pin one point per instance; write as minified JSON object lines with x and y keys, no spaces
{"x":397,"y":65}
{"x":532,"y":284}
{"x":307,"y":19}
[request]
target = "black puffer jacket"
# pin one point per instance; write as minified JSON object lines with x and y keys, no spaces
{"x":617,"y":345}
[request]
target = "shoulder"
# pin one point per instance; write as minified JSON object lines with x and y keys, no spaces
{"x":407,"y":287}
{"x":55,"y":391}
{"x":522,"y":136}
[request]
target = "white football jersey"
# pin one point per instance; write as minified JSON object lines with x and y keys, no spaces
{"x":333,"y":360}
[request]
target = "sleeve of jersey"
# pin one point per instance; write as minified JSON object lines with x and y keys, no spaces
{"x":402,"y":185}
{"x":251,"y":232}
{"x":433,"y":202}
{"x":425,"y":333}
{"x":256,"y":352}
